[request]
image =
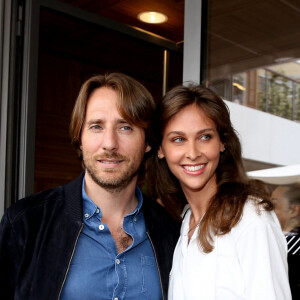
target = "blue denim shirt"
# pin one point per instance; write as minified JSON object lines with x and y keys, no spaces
{"x":97,"y":271}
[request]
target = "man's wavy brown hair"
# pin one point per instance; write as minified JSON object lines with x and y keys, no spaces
{"x":135,"y":104}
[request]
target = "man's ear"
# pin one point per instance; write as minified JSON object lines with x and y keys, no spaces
{"x":148,"y":148}
{"x":295,"y":211}
{"x":160,"y":153}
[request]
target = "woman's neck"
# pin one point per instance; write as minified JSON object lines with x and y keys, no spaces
{"x":199,"y":200}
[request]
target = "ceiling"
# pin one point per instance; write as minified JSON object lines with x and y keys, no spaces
{"x":242,"y":34}
{"x":126,"y":11}
{"x":246,"y":34}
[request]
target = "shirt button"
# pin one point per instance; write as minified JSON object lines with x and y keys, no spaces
{"x":101,"y":227}
{"x":117,"y":262}
{"x":86,"y":215}
{"x":134,"y":219}
{"x":97,"y":210}
{"x":116,"y":298}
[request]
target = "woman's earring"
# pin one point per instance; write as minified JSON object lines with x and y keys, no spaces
{"x":158,"y":155}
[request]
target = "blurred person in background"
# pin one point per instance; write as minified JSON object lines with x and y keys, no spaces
{"x":286,"y":200}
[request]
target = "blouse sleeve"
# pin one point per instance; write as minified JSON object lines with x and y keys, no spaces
{"x":262,"y":252}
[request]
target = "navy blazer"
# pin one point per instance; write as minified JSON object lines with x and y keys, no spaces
{"x":38,"y":236}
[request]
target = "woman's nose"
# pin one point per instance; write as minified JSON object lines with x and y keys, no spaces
{"x":193,"y":151}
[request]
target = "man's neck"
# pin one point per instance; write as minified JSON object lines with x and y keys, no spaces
{"x":113,"y":204}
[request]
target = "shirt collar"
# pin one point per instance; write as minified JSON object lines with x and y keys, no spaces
{"x":90,"y":208}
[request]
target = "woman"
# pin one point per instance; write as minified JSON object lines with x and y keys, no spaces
{"x":231,"y":245}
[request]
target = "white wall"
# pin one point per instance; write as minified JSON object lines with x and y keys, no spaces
{"x":266,"y":138}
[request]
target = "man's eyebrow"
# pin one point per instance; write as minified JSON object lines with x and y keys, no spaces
{"x":122,"y":121}
{"x":101,"y":121}
{"x":94,"y":121}
{"x":182,"y":133}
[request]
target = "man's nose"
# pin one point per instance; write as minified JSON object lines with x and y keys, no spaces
{"x":110,"y":140}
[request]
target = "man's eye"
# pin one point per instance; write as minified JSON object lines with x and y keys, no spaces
{"x":95,"y":127}
{"x":126,"y":128}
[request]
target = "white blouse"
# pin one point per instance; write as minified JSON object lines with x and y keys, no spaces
{"x":250,"y":262}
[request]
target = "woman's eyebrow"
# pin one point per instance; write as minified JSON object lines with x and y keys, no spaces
{"x":175,"y":132}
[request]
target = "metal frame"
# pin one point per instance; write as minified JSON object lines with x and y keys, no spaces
{"x":5,"y":18}
{"x":28,"y":106}
{"x":192,"y":41}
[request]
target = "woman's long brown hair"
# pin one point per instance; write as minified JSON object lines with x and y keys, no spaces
{"x":233,"y":186}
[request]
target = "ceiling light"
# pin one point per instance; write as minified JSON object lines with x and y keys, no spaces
{"x":239,"y":86}
{"x":152,"y":17}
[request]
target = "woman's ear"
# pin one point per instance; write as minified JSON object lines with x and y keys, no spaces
{"x":160,"y":153}
{"x":148,"y":148}
{"x":222,"y":147}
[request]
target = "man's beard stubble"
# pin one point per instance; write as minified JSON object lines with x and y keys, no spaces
{"x":114,"y":185}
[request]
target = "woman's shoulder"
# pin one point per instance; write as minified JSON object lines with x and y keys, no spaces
{"x":255,"y":215}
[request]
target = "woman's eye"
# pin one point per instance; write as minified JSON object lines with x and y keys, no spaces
{"x":178,"y":140}
{"x":205,"y":137}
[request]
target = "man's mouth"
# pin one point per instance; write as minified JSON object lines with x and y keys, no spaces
{"x":109,"y":161}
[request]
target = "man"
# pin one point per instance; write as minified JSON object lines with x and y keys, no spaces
{"x":286,"y":200}
{"x":96,"y":237}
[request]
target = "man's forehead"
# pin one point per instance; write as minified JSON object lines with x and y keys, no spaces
{"x":279,"y":191}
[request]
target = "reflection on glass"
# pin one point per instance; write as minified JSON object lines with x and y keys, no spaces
{"x":253,"y":59}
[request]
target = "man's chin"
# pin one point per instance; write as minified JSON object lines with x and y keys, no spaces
{"x":110,"y":182}
{"x":113,"y":186}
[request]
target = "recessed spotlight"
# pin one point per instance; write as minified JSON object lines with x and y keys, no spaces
{"x":152,"y":17}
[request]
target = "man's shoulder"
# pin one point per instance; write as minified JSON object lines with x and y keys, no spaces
{"x":34,"y":202}
{"x":153,"y":207}
{"x":46,"y":199}
{"x":156,"y":215}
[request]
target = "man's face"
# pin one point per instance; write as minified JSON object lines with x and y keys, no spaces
{"x":281,"y":207}
{"x":112,"y":148}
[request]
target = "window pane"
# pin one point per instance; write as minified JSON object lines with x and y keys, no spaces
{"x":254,"y":54}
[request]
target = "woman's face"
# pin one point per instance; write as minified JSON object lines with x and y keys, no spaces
{"x":191,"y":146}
